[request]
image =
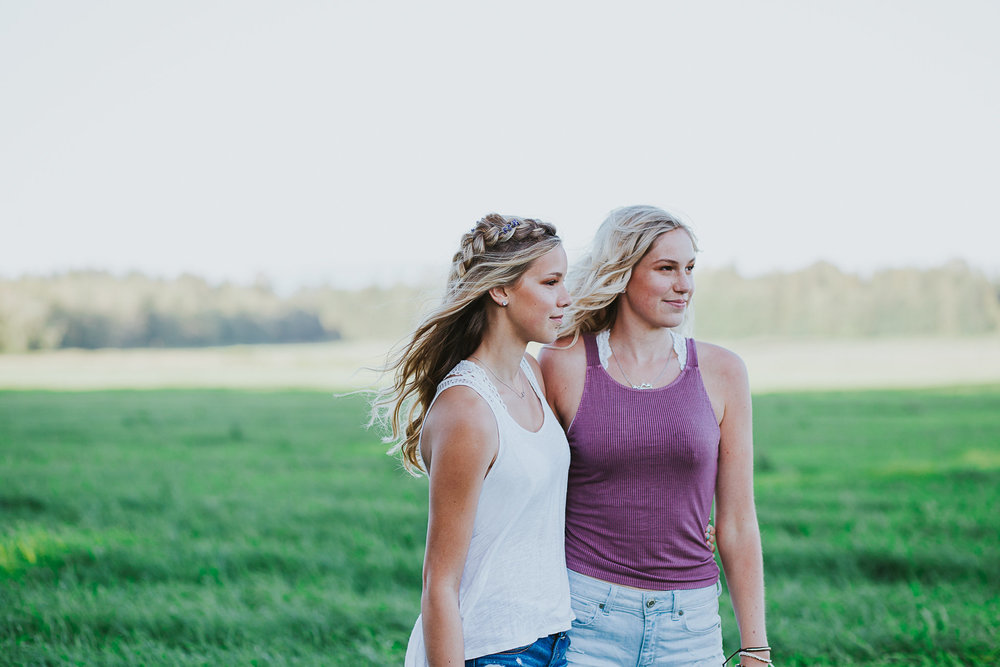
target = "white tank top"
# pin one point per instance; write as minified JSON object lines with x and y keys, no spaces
{"x":514,"y":587}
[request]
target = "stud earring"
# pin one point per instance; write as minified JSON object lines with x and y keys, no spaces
{"x":503,"y":303}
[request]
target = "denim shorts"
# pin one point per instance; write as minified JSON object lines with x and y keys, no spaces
{"x":622,"y":626}
{"x":546,"y":652}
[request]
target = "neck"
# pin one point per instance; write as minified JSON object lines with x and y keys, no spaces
{"x":639,"y":340}
{"x":502,"y":356}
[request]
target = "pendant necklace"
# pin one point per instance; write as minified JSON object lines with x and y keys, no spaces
{"x":520,"y":394}
{"x":644,"y":385}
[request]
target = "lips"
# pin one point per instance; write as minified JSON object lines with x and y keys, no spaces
{"x":678,"y":304}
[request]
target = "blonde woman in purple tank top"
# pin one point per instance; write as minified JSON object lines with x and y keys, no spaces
{"x":467,"y":407}
{"x":660,"y":430}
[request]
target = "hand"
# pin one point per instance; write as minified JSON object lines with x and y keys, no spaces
{"x":710,"y":537}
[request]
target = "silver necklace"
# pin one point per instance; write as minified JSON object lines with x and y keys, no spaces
{"x":520,"y":394}
{"x":644,"y":385}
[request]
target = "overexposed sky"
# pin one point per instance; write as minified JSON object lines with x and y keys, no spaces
{"x":352,"y":142}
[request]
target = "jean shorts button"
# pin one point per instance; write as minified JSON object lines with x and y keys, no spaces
{"x":680,"y":613}
{"x":650,"y":603}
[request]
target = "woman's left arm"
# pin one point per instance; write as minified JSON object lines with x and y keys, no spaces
{"x":737,"y":532}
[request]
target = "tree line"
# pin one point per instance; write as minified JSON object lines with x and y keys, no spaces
{"x":96,"y":309}
{"x":822,"y":301}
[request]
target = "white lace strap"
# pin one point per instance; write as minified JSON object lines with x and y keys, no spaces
{"x":467,"y":374}
{"x":603,"y":347}
{"x":681,"y":348}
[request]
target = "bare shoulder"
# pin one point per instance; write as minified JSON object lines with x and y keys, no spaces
{"x":460,"y":425}
{"x":462,"y":408}
{"x":720,"y":361}
{"x":725,"y":377}
{"x":563,"y":355}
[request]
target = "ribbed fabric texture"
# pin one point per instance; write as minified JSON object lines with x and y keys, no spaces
{"x":642,"y":479}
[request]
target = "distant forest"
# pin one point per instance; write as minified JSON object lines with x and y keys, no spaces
{"x":95,"y":310}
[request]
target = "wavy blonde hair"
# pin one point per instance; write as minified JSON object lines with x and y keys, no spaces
{"x":597,"y":280}
{"x":494,"y":253}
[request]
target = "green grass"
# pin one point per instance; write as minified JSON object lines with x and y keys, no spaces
{"x":227,"y":527}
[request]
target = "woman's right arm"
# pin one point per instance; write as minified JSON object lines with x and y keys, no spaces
{"x":459,"y":443}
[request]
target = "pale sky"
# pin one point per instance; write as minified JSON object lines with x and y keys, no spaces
{"x":354,"y":142}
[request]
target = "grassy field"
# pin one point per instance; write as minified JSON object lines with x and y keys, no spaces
{"x":269,"y":528}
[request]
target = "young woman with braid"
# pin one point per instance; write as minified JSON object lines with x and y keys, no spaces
{"x":467,"y":407}
{"x":659,"y":426}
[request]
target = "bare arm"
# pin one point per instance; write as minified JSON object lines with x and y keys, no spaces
{"x":737,"y":530}
{"x":459,"y":445}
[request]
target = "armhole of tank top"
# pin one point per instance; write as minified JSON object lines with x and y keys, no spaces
{"x":592,"y":349}
{"x":592,"y":359}
{"x":473,"y":378}
{"x":691,"y":348}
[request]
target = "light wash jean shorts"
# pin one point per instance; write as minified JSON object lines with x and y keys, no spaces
{"x":622,"y":626}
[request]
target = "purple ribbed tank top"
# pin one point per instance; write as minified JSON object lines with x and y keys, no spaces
{"x":642,"y":479}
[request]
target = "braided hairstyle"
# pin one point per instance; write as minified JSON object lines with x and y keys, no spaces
{"x":494,"y":253}
{"x":597,"y":280}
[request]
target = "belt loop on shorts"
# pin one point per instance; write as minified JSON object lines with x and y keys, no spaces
{"x":676,"y":611}
{"x":605,"y":606}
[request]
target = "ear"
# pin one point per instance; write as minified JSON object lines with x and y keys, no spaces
{"x":499,"y":296}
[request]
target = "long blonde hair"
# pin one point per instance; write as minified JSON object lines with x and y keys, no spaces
{"x":597,"y":280}
{"x":494,"y":253}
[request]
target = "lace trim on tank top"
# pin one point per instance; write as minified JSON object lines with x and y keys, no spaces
{"x":470,"y":374}
{"x":604,"y":347}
